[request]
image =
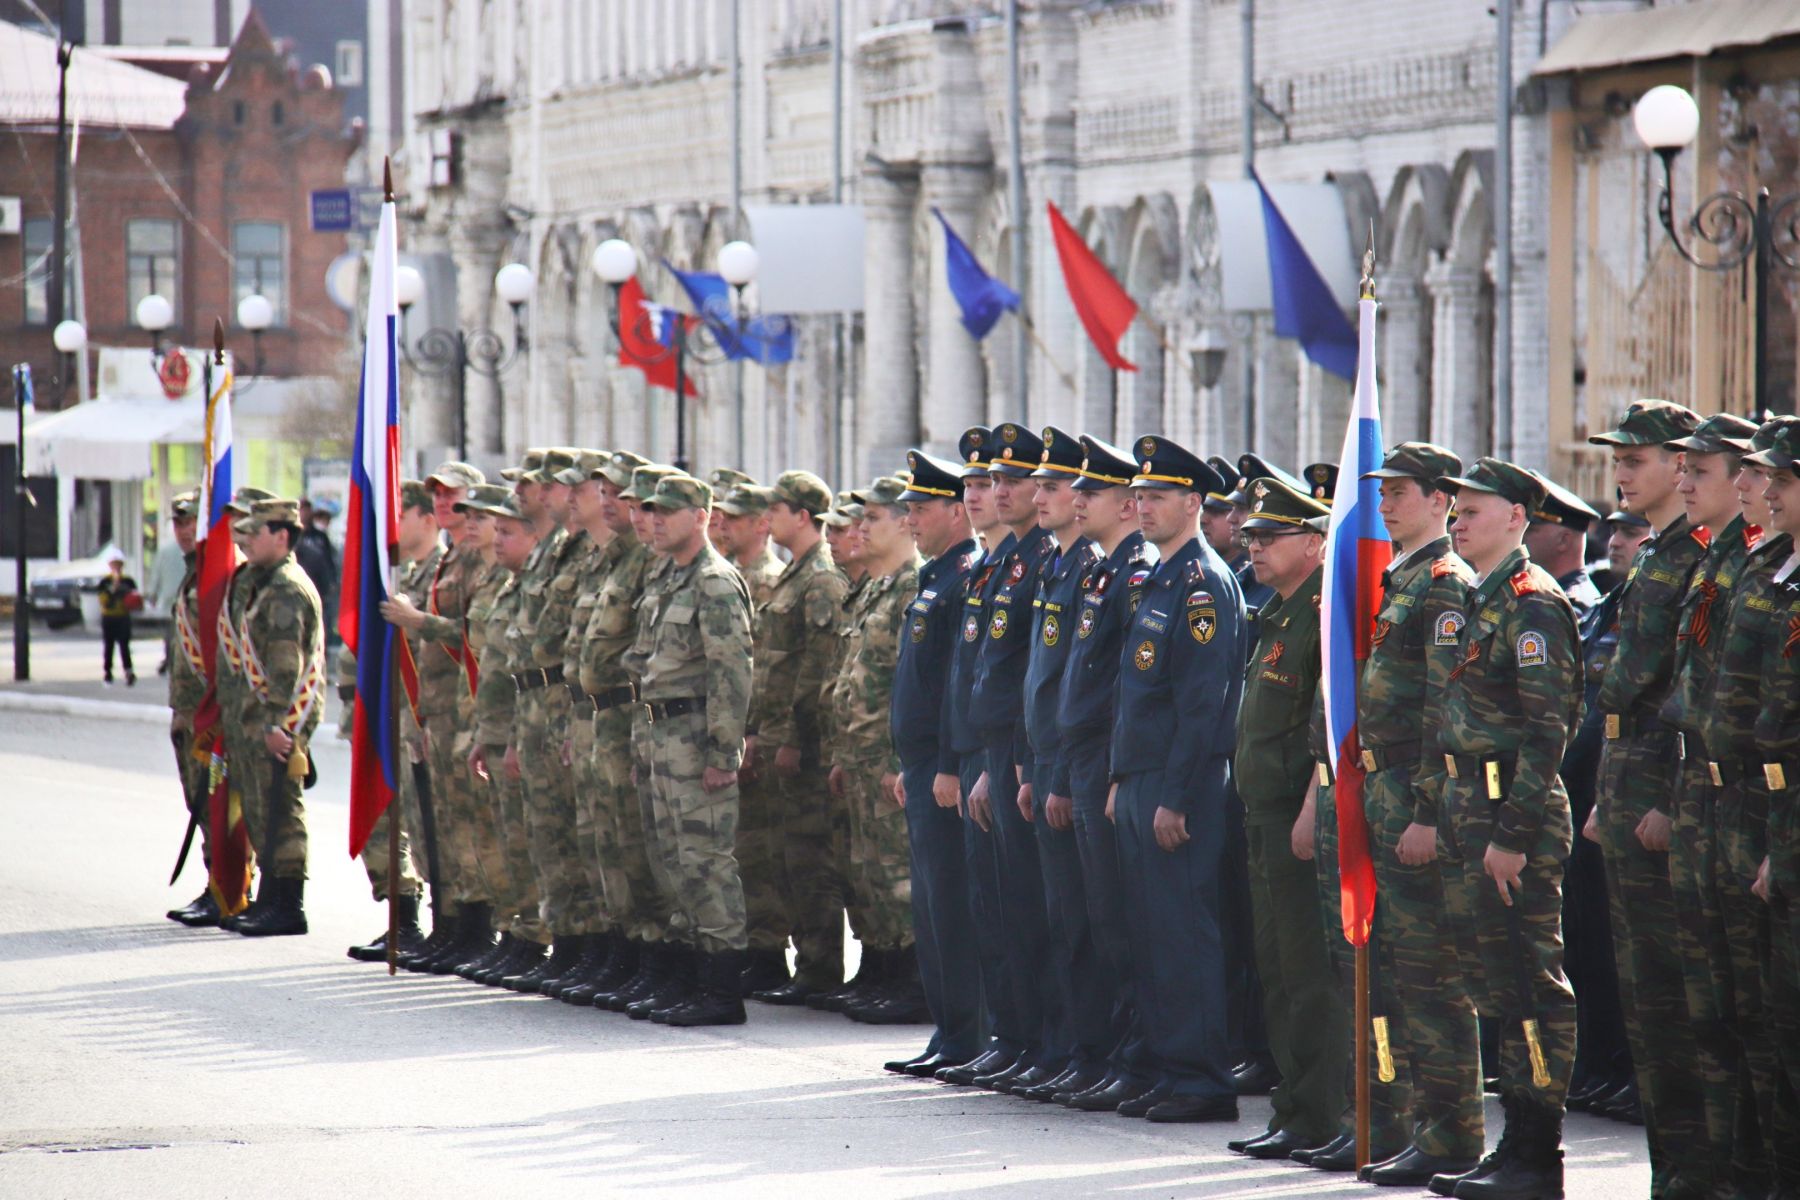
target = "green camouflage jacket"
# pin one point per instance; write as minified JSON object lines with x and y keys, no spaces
{"x":799,"y":642}
{"x":1752,"y":634}
{"x":284,"y":654}
{"x":611,"y":620}
{"x":1643,"y":667}
{"x":761,"y":574}
{"x":484,"y":595}
{"x":562,"y":574}
{"x":1700,"y":638}
{"x":1515,"y":693}
{"x":496,"y":700}
{"x":1413,"y":651}
{"x":229,"y":687}
{"x":693,"y":640}
{"x":592,"y":562}
{"x":1778,"y":725}
{"x":862,"y":693}
{"x":187,"y":669}
{"x":443,"y":678}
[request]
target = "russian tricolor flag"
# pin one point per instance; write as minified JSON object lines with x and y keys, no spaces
{"x":373,"y":524}
{"x":1357,"y":551}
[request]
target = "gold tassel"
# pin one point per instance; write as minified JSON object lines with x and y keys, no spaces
{"x":1384,"y":1052}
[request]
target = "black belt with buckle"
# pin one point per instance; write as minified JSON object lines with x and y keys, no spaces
{"x":662,"y":710}
{"x":1383,"y":758}
{"x":1627,"y":725}
{"x":537,"y":677}
{"x":1780,"y":776}
{"x":612,"y":697}
{"x":1492,"y":770}
{"x":1729,"y":772}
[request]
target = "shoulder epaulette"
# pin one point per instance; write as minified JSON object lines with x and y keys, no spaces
{"x":1702,"y":534}
{"x":1194,"y":570}
{"x":1442,"y":567}
{"x":1752,"y":535}
{"x":1523,"y":584}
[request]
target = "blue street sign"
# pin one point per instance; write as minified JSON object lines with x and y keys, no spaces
{"x":331,"y":211}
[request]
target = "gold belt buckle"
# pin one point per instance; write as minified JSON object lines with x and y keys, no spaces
{"x":1324,"y":774}
{"x":1492,"y":767}
{"x":1774,"y":776}
{"x":1368,"y":761}
{"x":1613,"y":726}
{"x":1718,"y":777}
{"x":1450,"y":766}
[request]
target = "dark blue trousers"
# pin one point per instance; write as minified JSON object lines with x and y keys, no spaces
{"x":981,"y":856}
{"x":943,"y":929}
{"x":1103,"y":889}
{"x":1085,"y":993}
{"x":1171,"y":906}
{"x":1023,"y":922}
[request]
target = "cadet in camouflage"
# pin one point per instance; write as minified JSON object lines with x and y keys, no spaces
{"x":187,"y":689}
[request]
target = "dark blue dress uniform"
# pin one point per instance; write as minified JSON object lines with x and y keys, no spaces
{"x":1085,"y":702}
{"x":997,"y":711}
{"x":1180,"y":676}
{"x":1085,"y":1037}
{"x":943,"y":927}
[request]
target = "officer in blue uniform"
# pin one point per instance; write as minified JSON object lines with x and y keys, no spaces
{"x":997,"y":711}
{"x":1073,"y":964}
{"x":1180,"y":678}
{"x":1085,"y":699}
{"x":943,"y":928}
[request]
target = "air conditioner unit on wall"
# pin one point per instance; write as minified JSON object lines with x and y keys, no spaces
{"x":10,"y":218}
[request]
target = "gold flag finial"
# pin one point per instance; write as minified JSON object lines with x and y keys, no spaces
{"x":1367,"y":289}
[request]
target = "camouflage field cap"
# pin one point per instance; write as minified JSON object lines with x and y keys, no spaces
{"x":587,"y":466}
{"x":556,"y":462}
{"x":457,"y":476}
{"x":244,"y":498}
{"x":747,"y":500}
{"x":1650,"y":423}
{"x":1508,"y":481}
{"x":885,"y":491}
{"x":847,"y":510}
{"x":494,"y":499}
{"x":1321,"y":480}
{"x":184,"y":507}
{"x":1418,"y":460}
{"x":1252,"y":467}
{"x":645,"y":479}
{"x":527,"y":465}
{"x":1062,"y":455}
{"x":1163,"y":464}
{"x":618,"y":467}
{"x":803,"y":490}
{"x":414,"y":494}
{"x":931,"y":478}
{"x":676,"y":492}
{"x":1561,"y":506}
{"x":1721,"y":433}
{"x":268,"y":512}
{"x":1278,"y":505}
{"x":1777,"y":445}
{"x":1016,"y":450}
{"x":723,"y":479}
{"x":975,"y":448}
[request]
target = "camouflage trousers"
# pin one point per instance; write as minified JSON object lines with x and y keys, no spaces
{"x":556,"y":856}
{"x":414,"y":867}
{"x":622,"y":846}
{"x":1638,"y":774}
{"x":1432,"y":1018}
{"x":517,"y":903}
{"x":281,"y":850}
{"x":1389,"y":1102}
{"x":880,"y":856}
{"x":814,"y":829}
{"x":1781,"y":985}
{"x":591,"y":813}
{"x":762,"y":861}
{"x":1720,"y":927}
{"x":194,"y":776}
{"x":692,"y":833}
{"x":468,"y":848}
{"x":1506,"y":952}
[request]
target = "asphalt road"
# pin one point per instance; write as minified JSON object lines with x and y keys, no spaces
{"x":142,"y":1059}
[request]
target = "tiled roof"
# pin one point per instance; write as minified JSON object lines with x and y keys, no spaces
{"x":102,"y":91}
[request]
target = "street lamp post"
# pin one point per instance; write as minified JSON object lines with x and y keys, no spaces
{"x":456,"y":352}
{"x":70,"y":338}
{"x":706,"y":339}
{"x":1764,"y":232}
{"x":154,"y":316}
{"x":255,"y":313}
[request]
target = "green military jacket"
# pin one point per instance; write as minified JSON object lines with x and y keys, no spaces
{"x":1643,"y":668}
{"x":1515,"y":695}
{"x":1752,"y":634}
{"x":1411,"y":654}
{"x":496,"y":699}
{"x":187,"y":666}
{"x":1700,"y":639}
{"x":484,"y":591}
{"x":693,"y":641}
{"x":594,"y":561}
{"x":611,"y":614}
{"x":560,"y":583}
{"x":799,"y":644}
{"x":863,"y":691}
{"x":761,"y":574}
{"x":1274,"y":761}
{"x":284,"y":654}
{"x":228,"y":679}
{"x":442,"y":641}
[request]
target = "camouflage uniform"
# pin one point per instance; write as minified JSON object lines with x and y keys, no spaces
{"x":444,"y":674}
{"x":861,"y":696}
{"x":520,"y":911}
{"x":283,"y":659}
{"x":1778,"y":745}
{"x":692,"y":651}
{"x":1434,"y":1033}
{"x":486,"y":834}
{"x":187,"y":688}
{"x":769,"y":898}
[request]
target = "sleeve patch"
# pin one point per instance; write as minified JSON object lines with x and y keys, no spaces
{"x":1449,"y":626}
{"x":1533,"y":649}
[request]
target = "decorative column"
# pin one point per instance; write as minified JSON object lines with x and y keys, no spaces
{"x":1461,"y":361}
{"x":1405,"y":350}
{"x":887,"y":414}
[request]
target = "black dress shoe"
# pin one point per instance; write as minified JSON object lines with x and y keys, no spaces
{"x":997,"y":1081}
{"x":200,"y":913}
{"x":1413,"y":1167}
{"x":1141,"y":1106}
{"x":1107,"y":1098}
{"x":1280,"y":1145}
{"x":792,"y":994}
{"x":1024,"y":1081}
{"x":982,"y":1064}
{"x":1305,"y":1157}
{"x":1071,"y":1082}
{"x":931,"y":1066}
{"x":899,"y":1065}
{"x":1257,"y":1077}
{"x":1193,"y":1110}
{"x":1239,"y":1145}
{"x":1342,"y":1157}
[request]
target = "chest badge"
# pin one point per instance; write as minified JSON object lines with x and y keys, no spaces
{"x":997,"y":627}
{"x":1274,"y":655}
{"x":1052,"y":630}
{"x":1144,"y":657}
{"x":1086,"y":625}
{"x":1017,"y":573}
{"x":971,"y":628}
{"x":917,"y":633}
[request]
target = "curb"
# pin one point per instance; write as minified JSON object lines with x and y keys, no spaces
{"x":79,"y":706}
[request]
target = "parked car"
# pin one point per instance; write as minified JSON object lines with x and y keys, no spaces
{"x":56,"y":590}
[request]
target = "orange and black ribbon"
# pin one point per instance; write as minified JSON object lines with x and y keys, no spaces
{"x":1700,"y":625}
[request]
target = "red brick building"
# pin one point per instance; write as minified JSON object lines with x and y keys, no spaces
{"x":197,"y":191}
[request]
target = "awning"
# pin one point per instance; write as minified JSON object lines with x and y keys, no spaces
{"x":104,"y":439}
{"x":1315,"y":211}
{"x":1651,"y":34}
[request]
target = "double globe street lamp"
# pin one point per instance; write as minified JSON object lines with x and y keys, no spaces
{"x":1739,"y":231}
{"x":255,"y":314}
{"x":456,"y":352}
{"x":708,"y":336}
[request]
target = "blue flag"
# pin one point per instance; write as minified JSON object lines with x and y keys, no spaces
{"x":981,"y":297}
{"x":1305,"y":309}
{"x":766,"y":340}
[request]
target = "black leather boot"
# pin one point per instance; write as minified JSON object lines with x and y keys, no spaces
{"x":265,"y":894}
{"x":764,"y":971}
{"x":411,"y":936}
{"x":459,"y":930}
{"x":610,"y":951}
{"x":652,"y":965}
{"x":590,"y":952}
{"x":478,"y":937}
{"x":870,"y":974}
{"x":1499,"y":1156}
{"x":562,"y":954}
{"x":717,"y":1000}
{"x":284,"y":916}
{"x":900,"y":1000}
{"x":495,"y":955}
{"x":680,"y":980}
{"x":525,"y":955}
{"x":1534,"y":1169}
{"x":445,"y":928}
{"x":201,"y":913}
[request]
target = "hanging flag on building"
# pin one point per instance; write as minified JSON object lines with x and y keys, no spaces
{"x":1305,"y":309}
{"x":981,"y":297}
{"x":1357,"y":552}
{"x":1106,"y":309}
{"x":372,"y":526}
{"x":764,"y":339}
{"x":642,"y":342}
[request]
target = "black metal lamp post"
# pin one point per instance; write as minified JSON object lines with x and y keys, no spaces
{"x":456,"y":352}
{"x":1765,"y":232}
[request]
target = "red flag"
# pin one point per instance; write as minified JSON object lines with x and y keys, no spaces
{"x":1105,"y":308}
{"x":638,"y":344}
